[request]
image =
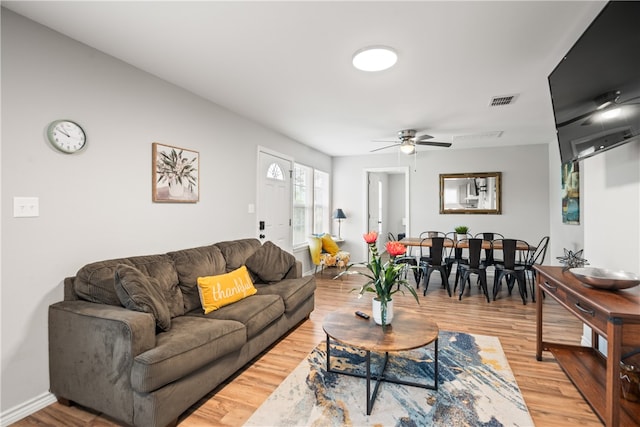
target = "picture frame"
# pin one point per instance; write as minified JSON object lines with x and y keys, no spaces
{"x":175,"y":174}
{"x":571,"y":193}
{"x":471,"y":193}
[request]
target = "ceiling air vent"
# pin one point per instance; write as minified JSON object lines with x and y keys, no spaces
{"x":498,"y":101}
{"x":480,"y":135}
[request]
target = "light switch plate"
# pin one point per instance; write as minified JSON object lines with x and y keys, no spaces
{"x":25,"y":207}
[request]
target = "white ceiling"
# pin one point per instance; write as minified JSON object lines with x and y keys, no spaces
{"x":287,"y":64}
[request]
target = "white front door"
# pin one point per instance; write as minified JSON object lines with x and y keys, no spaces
{"x":274,"y":199}
{"x":376,"y":204}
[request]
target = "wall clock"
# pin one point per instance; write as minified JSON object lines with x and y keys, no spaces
{"x":66,"y":136}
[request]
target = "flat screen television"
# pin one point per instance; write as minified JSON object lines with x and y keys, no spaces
{"x":595,"y":89}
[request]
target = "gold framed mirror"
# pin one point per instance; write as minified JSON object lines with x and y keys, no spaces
{"x":471,"y":193}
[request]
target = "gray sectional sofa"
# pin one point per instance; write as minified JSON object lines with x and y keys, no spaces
{"x":118,"y":361}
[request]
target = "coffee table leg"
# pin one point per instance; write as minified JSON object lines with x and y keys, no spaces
{"x":328,"y":356}
{"x":371,"y":397}
{"x":369,"y":400}
{"x":435,"y":369}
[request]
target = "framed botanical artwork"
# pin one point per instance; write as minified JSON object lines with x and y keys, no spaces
{"x":175,"y":174}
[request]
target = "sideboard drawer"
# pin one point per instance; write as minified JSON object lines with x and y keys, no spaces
{"x":579,"y":307}
{"x":587,"y":313}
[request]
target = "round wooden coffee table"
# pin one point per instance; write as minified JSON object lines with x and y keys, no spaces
{"x":409,"y":330}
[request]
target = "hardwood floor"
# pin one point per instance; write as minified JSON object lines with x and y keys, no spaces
{"x":551,"y":398}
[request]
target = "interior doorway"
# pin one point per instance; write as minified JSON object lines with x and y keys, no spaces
{"x":387,"y":202}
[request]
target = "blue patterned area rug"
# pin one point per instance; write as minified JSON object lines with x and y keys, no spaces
{"x":475,"y":388}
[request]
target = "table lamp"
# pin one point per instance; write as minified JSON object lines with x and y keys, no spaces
{"x":339,"y":215}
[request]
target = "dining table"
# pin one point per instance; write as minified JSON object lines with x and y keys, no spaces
{"x":463,"y":244}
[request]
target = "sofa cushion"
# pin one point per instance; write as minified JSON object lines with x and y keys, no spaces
{"x":292,"y":291}
{"x":255,"y":313}
{"x":236,"y":252}
{"x":270,"y":263}
{"x":224,"y":289}
{"x":191,"y":343}
{"x":95,"y":282}
{"x":193,"y":263}
{"x":138,"y":292}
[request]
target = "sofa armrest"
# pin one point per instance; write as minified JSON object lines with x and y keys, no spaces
{"x":91,"y":351}
{"x":69,"y":291}
{"x":295,"y":272}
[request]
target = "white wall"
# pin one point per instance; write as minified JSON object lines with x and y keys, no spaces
{"x":612,"y":208}
{"x":97,"y":205}
{"x":525,"y":191}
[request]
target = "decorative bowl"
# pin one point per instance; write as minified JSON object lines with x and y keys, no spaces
{"x":602,"y":278}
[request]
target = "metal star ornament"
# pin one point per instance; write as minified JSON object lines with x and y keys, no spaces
{"x":572,"y":259}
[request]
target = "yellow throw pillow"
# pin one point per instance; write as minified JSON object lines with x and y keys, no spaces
{"x":315,"y":247}
{"x":329,"y":245}
{"x":224,"y":289}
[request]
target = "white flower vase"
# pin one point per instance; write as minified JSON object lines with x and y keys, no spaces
{"x":376,"y":309}
{"x":176,"y":189}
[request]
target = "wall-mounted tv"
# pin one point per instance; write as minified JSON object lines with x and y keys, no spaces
{"x":595,"y":89}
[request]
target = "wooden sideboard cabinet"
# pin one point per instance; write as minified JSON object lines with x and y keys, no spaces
{"x":614,"y":315}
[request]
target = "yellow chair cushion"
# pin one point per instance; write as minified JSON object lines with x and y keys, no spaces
{"x":315,"y":248}
{"x":328,"y":245}
{"x":224,"y":289}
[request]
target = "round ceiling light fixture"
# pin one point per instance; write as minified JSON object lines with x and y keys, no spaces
{"x":375,"y":58}
{"x":407,"y":147}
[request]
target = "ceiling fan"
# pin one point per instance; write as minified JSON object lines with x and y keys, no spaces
{"x":408,"y":141}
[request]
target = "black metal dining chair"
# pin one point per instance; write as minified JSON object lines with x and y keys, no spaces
{"x":510,"y":269}
{"x":473,"y":266}
{"x":425,"y":252}
{"x":489,"y":255}
{"x":535,"y":258}
{"x":440,"y":248}
{"x":457,"y":255}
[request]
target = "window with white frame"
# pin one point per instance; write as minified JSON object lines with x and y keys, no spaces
{"x":320,"y":202}
{"x":310,"y":203}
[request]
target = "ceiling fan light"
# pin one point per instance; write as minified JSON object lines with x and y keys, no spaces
{"x":407,"y":148}
{"x":374,"y":58}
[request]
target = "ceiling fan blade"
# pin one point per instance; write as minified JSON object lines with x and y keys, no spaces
{"x":384,"y":148}
{"x":434,"y":143}
{"x":385,"y":140}
{"x":423,"y":137}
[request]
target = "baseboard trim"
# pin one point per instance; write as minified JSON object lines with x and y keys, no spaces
{"x":27,"y":408}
